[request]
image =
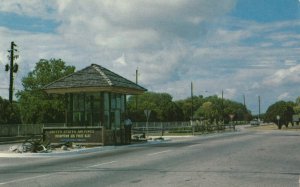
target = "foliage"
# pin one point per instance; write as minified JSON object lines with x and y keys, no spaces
{"x":186,"y":106}
{"x":163,"y":108}
{"x":35,"y":105}
{"x":161,"y":105}
{"x":282,"y":109}
{"x":213,"y":108}
{"x":9,"y":113}
{"x":297,"y":106}
{"x":208,"y":111}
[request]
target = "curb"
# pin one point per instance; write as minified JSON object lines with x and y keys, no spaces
{"x":76,"y":152}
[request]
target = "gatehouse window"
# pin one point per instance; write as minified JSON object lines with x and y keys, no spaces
{"x":96,"y":109}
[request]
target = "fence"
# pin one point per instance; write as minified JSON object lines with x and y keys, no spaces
{"x":9,"y":130}
{"x":161,"y":128}
{"x":164,"y":128}
{"x":20,"y":129}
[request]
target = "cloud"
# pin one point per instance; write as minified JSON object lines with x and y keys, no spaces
{"x":171,"y":42}
{"x":121,"y":60}
{"x":32,"y":8}
{"x":284,"y":76}
{"x":283,"y":96}
{"x":135,"y":24}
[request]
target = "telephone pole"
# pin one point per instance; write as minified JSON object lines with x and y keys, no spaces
{"x":136,"y":81}
{"x":192,"y":97}
{"x":222,"y":106}
{"x":258,"y":108}
{"x":12,"y":68}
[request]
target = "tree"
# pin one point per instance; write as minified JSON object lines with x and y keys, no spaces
{"x":297,"y":106}
{"x":161,"y":105}
{"x":282,"y":109}
{"x":35,"y":105}
{"x":208,"y":111}
{"x":9,"y":113}
{"x":239,"y":111}
{"x":186,"y":106}
{"x":217,"y":109}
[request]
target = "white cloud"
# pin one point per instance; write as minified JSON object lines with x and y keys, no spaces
{"x":283,"y":96}
{"x":284,"y":76}
{"x":230,"y":93}
{"x":230,"y":37}
{"x":290,"y":62}
{"x":172,"y":43}
{"x":121,"y":60}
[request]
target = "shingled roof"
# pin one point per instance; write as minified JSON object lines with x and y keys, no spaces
{"x":94,"y":78}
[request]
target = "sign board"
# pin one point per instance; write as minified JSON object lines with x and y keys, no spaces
{"x":278,"y":117}
{"x":80,"y":135}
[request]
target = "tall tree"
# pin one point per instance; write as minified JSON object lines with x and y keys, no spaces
{"x":207,"y":110}
{"x":161,"y":105}
{"x":282,"y":109}
{"x":9,"y":112}
{"x":297,"y":106}
{"x":217,"y":109}
{"x":35,"y":105}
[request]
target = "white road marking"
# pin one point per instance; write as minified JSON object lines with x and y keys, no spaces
{"x":194,"y":145}
{"x":105,"y":163}
{"x":159,"y":152}
{"x":25,"y":179}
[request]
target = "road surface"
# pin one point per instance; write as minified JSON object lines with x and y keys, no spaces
{"x":248,"y":158}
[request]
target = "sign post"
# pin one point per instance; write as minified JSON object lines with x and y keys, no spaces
{"x":231,"y":118}
{"x":278,"y":118}
{"x":147,"y":114}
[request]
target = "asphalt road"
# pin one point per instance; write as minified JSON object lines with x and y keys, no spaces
{"x":235,"y":159}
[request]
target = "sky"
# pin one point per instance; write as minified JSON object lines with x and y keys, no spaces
{"x":246,"y":48}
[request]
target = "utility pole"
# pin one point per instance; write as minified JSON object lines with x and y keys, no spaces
{"x":136,"y":81}
{"x":244,"y":99}
{"x":12,"y":68}
{"x":258,"y":108}
{"x":192,"y":95}
{"x":136,"y":75}
{"x":222,"y":106}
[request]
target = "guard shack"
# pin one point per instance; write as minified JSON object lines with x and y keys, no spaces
{"x":96,"y":107}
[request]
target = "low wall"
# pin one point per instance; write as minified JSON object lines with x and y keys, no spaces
{"x":78,"y":135}
{"x":84,"y":135}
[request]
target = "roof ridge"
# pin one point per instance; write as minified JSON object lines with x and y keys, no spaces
{"x":97,"y":67}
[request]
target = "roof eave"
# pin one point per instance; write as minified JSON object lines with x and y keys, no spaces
{"x":128,"y":91}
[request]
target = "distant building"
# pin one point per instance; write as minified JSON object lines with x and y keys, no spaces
{"x":96,"y":96}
